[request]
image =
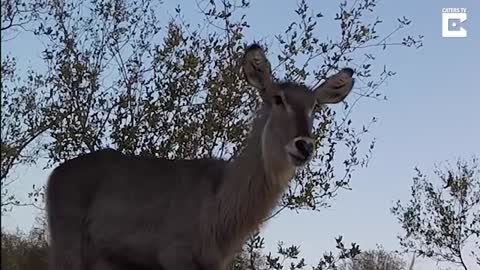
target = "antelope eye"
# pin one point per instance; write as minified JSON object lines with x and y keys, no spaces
{"x":277,"y":100}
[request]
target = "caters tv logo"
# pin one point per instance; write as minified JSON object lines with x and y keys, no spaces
{"x":453,"y":21}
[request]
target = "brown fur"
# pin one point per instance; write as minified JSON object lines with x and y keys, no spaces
{"x":107,"y":210}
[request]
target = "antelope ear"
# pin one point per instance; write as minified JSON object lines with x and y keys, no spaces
{"x":256,"y":68}
{"x":336,"y":88}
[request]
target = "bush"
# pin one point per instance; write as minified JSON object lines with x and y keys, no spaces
{"x":21,"y":251}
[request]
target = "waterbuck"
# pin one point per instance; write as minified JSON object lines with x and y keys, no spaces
{"x":107,"y":210}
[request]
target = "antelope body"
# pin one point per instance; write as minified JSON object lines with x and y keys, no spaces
{"x":107,"y":210}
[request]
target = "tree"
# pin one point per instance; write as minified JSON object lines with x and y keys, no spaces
{"x":114,"y":76}
{"x":18,"y":14}
{"x":442,"y":218}
{"x":22,"y":125}
{"x":117,"y":78}
{"x":377,"y":259}
{"x":22,"y":251}
{"x":253,"y":256}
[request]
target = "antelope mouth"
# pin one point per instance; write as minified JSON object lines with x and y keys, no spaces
{"x":298,"y":160}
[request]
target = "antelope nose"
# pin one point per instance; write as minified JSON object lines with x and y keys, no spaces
{"x":304,"y":147}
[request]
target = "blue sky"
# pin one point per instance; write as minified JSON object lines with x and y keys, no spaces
{"x":431,"y":116}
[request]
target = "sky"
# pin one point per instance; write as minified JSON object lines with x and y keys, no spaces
{"x":431,"y":116}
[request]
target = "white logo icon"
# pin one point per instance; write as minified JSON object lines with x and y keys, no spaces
{"x":452,"y":21}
